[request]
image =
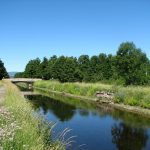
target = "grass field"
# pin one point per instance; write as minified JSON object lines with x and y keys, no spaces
{"x":131,"y":95}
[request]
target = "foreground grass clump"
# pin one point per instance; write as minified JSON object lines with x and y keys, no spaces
{"x":131,"y":95}
{"x":19,"y":129}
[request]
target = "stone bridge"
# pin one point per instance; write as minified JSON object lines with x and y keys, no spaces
{"x":28,"y":81}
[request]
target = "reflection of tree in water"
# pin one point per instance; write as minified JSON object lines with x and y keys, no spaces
{"x":83,"y":112}
{"x":127,"y":138}
{"x":62,"y":110}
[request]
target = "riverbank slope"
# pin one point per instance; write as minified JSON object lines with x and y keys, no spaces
{"x":19,"y":128}
{"x":133,"y":98}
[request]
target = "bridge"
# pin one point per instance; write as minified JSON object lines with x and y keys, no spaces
{"x":25,"y":80}
{"x":28,"y":81}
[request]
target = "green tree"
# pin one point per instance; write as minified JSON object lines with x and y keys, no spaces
{"x":19,"y":75}
{"x":101,"y":67}
{"x":64,"y":69}
{"x":94,"y":62}
{"x":51,"y":71}
{"x":43,"y":69}
{"x":84,"y":66}
{"x":32,"y":69}
{"x":131,"y":64}
{"x":3,"y":72}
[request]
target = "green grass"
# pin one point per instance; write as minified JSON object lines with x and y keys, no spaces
{"x":21,"y":84}
{"x":80,"y":89}
{"x":131,"y":95}
{"x":23,"y":130}
{"x":134,"y":96}
{"x":0,"y":83}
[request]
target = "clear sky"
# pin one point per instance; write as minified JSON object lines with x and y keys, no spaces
{"x":38,"y":28}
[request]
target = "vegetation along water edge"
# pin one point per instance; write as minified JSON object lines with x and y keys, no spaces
{"x":19,"y":128}
{"x":130,"y":98}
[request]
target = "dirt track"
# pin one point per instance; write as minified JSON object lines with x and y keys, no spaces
{"x":2,"y":93}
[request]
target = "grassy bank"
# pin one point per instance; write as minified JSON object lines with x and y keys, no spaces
{"x":80,"y":89}
{"x":132,"y":95}
{"x":19,"y":129}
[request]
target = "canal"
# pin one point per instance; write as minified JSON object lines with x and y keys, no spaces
{"x":92,"y":127}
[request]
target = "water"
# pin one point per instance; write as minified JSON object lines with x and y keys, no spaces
{"x":95,"y":128}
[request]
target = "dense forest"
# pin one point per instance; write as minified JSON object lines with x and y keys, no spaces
{"x":3,"y":72}
{"x":130,"y":66}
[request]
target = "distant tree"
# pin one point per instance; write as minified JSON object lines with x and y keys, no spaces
{"x":50,"y":70}
{"x":132,"y":64}
{"x":84,"y":66}
{"x":129,"y":66}
{"x":94,"y":72}
{"x":43,"y":69}
{"x":19,"y":75}
{"x":32,"y":69}
{"x":59,"y":69}
{"x":102,"y":66}
{"x":64,"y":69}
{"x":70,"y":69}
{"x":3,"y":72}
{"x":78,"y":75}
{"x":109,"y":67}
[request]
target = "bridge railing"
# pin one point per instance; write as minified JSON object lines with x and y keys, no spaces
{"x":23,"y":79}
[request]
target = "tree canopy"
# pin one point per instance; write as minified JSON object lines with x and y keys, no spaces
{"x":3,"y":72}
{"x":129,"y":65}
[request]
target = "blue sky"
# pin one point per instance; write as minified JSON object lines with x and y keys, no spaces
{"x":38,"y":28}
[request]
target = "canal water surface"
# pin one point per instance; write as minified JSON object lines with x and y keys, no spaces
{"x":94,"y":128}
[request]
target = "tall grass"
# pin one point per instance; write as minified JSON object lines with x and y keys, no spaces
{"x":80,"y":89}
{"x":23,"y":130}
{"x":131,"y":95}
{"x":134,"y":96}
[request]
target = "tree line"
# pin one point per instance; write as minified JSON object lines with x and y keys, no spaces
{"x":3,"y":72}
{"x":130,"y":66}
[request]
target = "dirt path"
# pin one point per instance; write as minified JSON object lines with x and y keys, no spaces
{"x":2,"y":94}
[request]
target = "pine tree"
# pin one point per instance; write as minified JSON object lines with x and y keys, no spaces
{"x":3,"y":72}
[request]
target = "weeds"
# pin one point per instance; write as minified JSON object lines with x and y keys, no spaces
{"x":80,"y":89}
{"x":131,"y":95}
{"x":19,"y":129}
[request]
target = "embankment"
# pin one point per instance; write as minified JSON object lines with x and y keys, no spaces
{"x":135,"y":99}
{"x":21,"y":129}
